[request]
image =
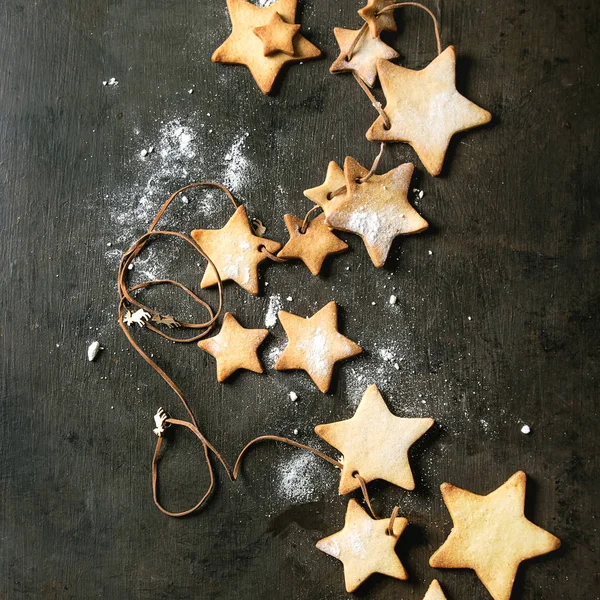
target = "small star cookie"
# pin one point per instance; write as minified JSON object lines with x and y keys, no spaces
{"x":235,"y":251}
{"x":364,"y":58}
{"x":425,"y":109}
{"x":365,"y":546}
{"x":377,"y":210}
{"x":374,"y":443}
{"x":334,"y":180}
{"x":314,"y":245}
{"x":315,"y":345}
{"x":260,"y":39}
{"x":491,"y":535}
{"x":377,"y":24}
{"x":235,"y":347}
{"x":435,"y":592}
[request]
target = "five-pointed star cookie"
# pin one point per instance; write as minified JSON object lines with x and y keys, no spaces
{"x":334,"y":180}
{"x":364,"y":58}
{"x":377,"y":24}
{"x":315,"y":345}
{"x":245,"y":47}
{"x":491,"y":535}
{"x":365,"y":546}
{"x":235,"y":251}
{"x":374,"y":443}
{"x":435,"y":592}
{"x":314,"y":245}
{"x":425,"y":109}
{"x":377,"y":210}
{"x":277,"y":36}
{"x":235,"y":347}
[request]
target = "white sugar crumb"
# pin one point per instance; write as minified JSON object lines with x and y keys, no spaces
{"x":293,"y":396}
{"x":393,"y":299}
{"x":112,"y":81}
{"x":525,"y":429}
{"x":289,"y":298}
{"x":386,"y":354}
{"x":469,"y":318}
{"x":303,"y":477}
{"x":430,"y":252}
{"x":144,"y":153}
{"x":273,"y":308}
{"x":296,"y":432}
{"x":93,"y":350}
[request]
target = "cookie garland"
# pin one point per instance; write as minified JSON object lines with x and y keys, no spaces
{"x":375,"y":207}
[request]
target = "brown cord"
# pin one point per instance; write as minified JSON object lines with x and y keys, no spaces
{"x":272,"y":256}
{"x":363,"y":487}
{"x":390,"y":527}
{"x":305,"y":223}
{"x":360,"y":33}
{"x":436,"y":26}
{"x":376,"y":104}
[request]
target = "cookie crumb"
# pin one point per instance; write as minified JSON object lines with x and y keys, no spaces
{"x":289,"y":298}
{"x":295,"y":432}
{"x":293,"y":396}
{"x":525,"y":429}
{"x":393,"y":299}
{"x":144,"y":153}
{"x":430,"y":252}
{"x":93,"y":350}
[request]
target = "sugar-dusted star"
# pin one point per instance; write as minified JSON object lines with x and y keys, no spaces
{"x":377,"y":210}
{"x":235,"y":251}
{"x":425,"y":109}
{"x":374,"y":443}
{"x":277,"y":36}
{"x":314,"y":245}
{"x":235,"y":347}
{"x":315,"y":345}
{"x":365,"y":546}
{"x":383,"y":22}
{"x":435,"y":592}
{"x":364,"y":57}
{"x":264,"y":52}
{"x":491,"y":535}
{"x":334,"y":180}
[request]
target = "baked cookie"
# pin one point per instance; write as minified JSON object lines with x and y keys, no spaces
{"x":435,"y":592}
{"x":334,"y":180}
{"x":377,"y":24}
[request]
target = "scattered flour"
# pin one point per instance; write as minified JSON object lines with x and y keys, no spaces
{"x":273,"y":308}
{"x":304,"y":477}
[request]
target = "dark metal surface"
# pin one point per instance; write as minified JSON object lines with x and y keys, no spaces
{"x":494,"y":328}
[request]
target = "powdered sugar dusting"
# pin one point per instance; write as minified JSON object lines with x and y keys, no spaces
{"x":273,"y":308}
{"x":304,"y":477}
{"x":317,"y":348}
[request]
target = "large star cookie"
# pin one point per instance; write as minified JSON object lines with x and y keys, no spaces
{"x":315,"y":345}
{"x":374,"y":443}
{"x":264,"y":39}
{"x":435,"y":592}
{"x":334,"y":180}
{"x":365,"y":546}
{"x":491,"y":535}
{"x":364,"y":57}
{"x":377,"y":210}
{"x":425,"y":109}
{"x":377,"y":24}
{"x":314,"y":245}
{"x":235,"y":347}
{"x":235,"y":251}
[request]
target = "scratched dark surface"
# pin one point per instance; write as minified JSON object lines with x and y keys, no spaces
{"x":497,"y":325}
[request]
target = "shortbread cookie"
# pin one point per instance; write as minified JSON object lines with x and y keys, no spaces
{"x":235,"y":347}
{"x":365,"y":546}
{"x":377,"y":24}
{"x":315,"y":345}
{"x":491,"y":535}
{"x":334,"y":180}
{"x":277,"y":36}
{"x":425,"y":109}
{"x":374,"y":443}
{"x":435,"y":592}
{"x":235,"y":251}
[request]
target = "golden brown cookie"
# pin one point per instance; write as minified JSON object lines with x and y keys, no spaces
{"x":235,"y":347}
{"x":264,"y":52}
{"x":364,"y":57}
{"x":333,"y":181}
{"x":425,"y":109}
{"x":435,"y":591}
{"x":491,"y":535}
{"x":314,"y":245}
{"x":277,"y":36}
{"x":374,"y":443}
{"x":377,"y":24}
{"x":315,"y":345}
{"x":377,"y":210}
{"x":235,"y":250}
{"x":365,"y":546}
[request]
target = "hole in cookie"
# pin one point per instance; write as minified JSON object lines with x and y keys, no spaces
{"x":329,"y":196}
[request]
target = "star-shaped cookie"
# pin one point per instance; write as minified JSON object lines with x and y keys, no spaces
{"x":334,"y":180}
{"x":313,"y":246}
{"x":491,"y":535}
{"x":377,"y":24}
{"x":235,"y":251}
{"x":425,"y":109}
{"x":377,"y":210}
{"x":235,"y":347}
{"x":374,"y":443}
{"x":315,"y":345}
{"x":435,"y":592}
{"x":364,"y":57}
{"x":259,"y":40}
{"x":365,"y":546}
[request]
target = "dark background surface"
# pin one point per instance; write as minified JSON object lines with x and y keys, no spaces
{"x":495,"y":328}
